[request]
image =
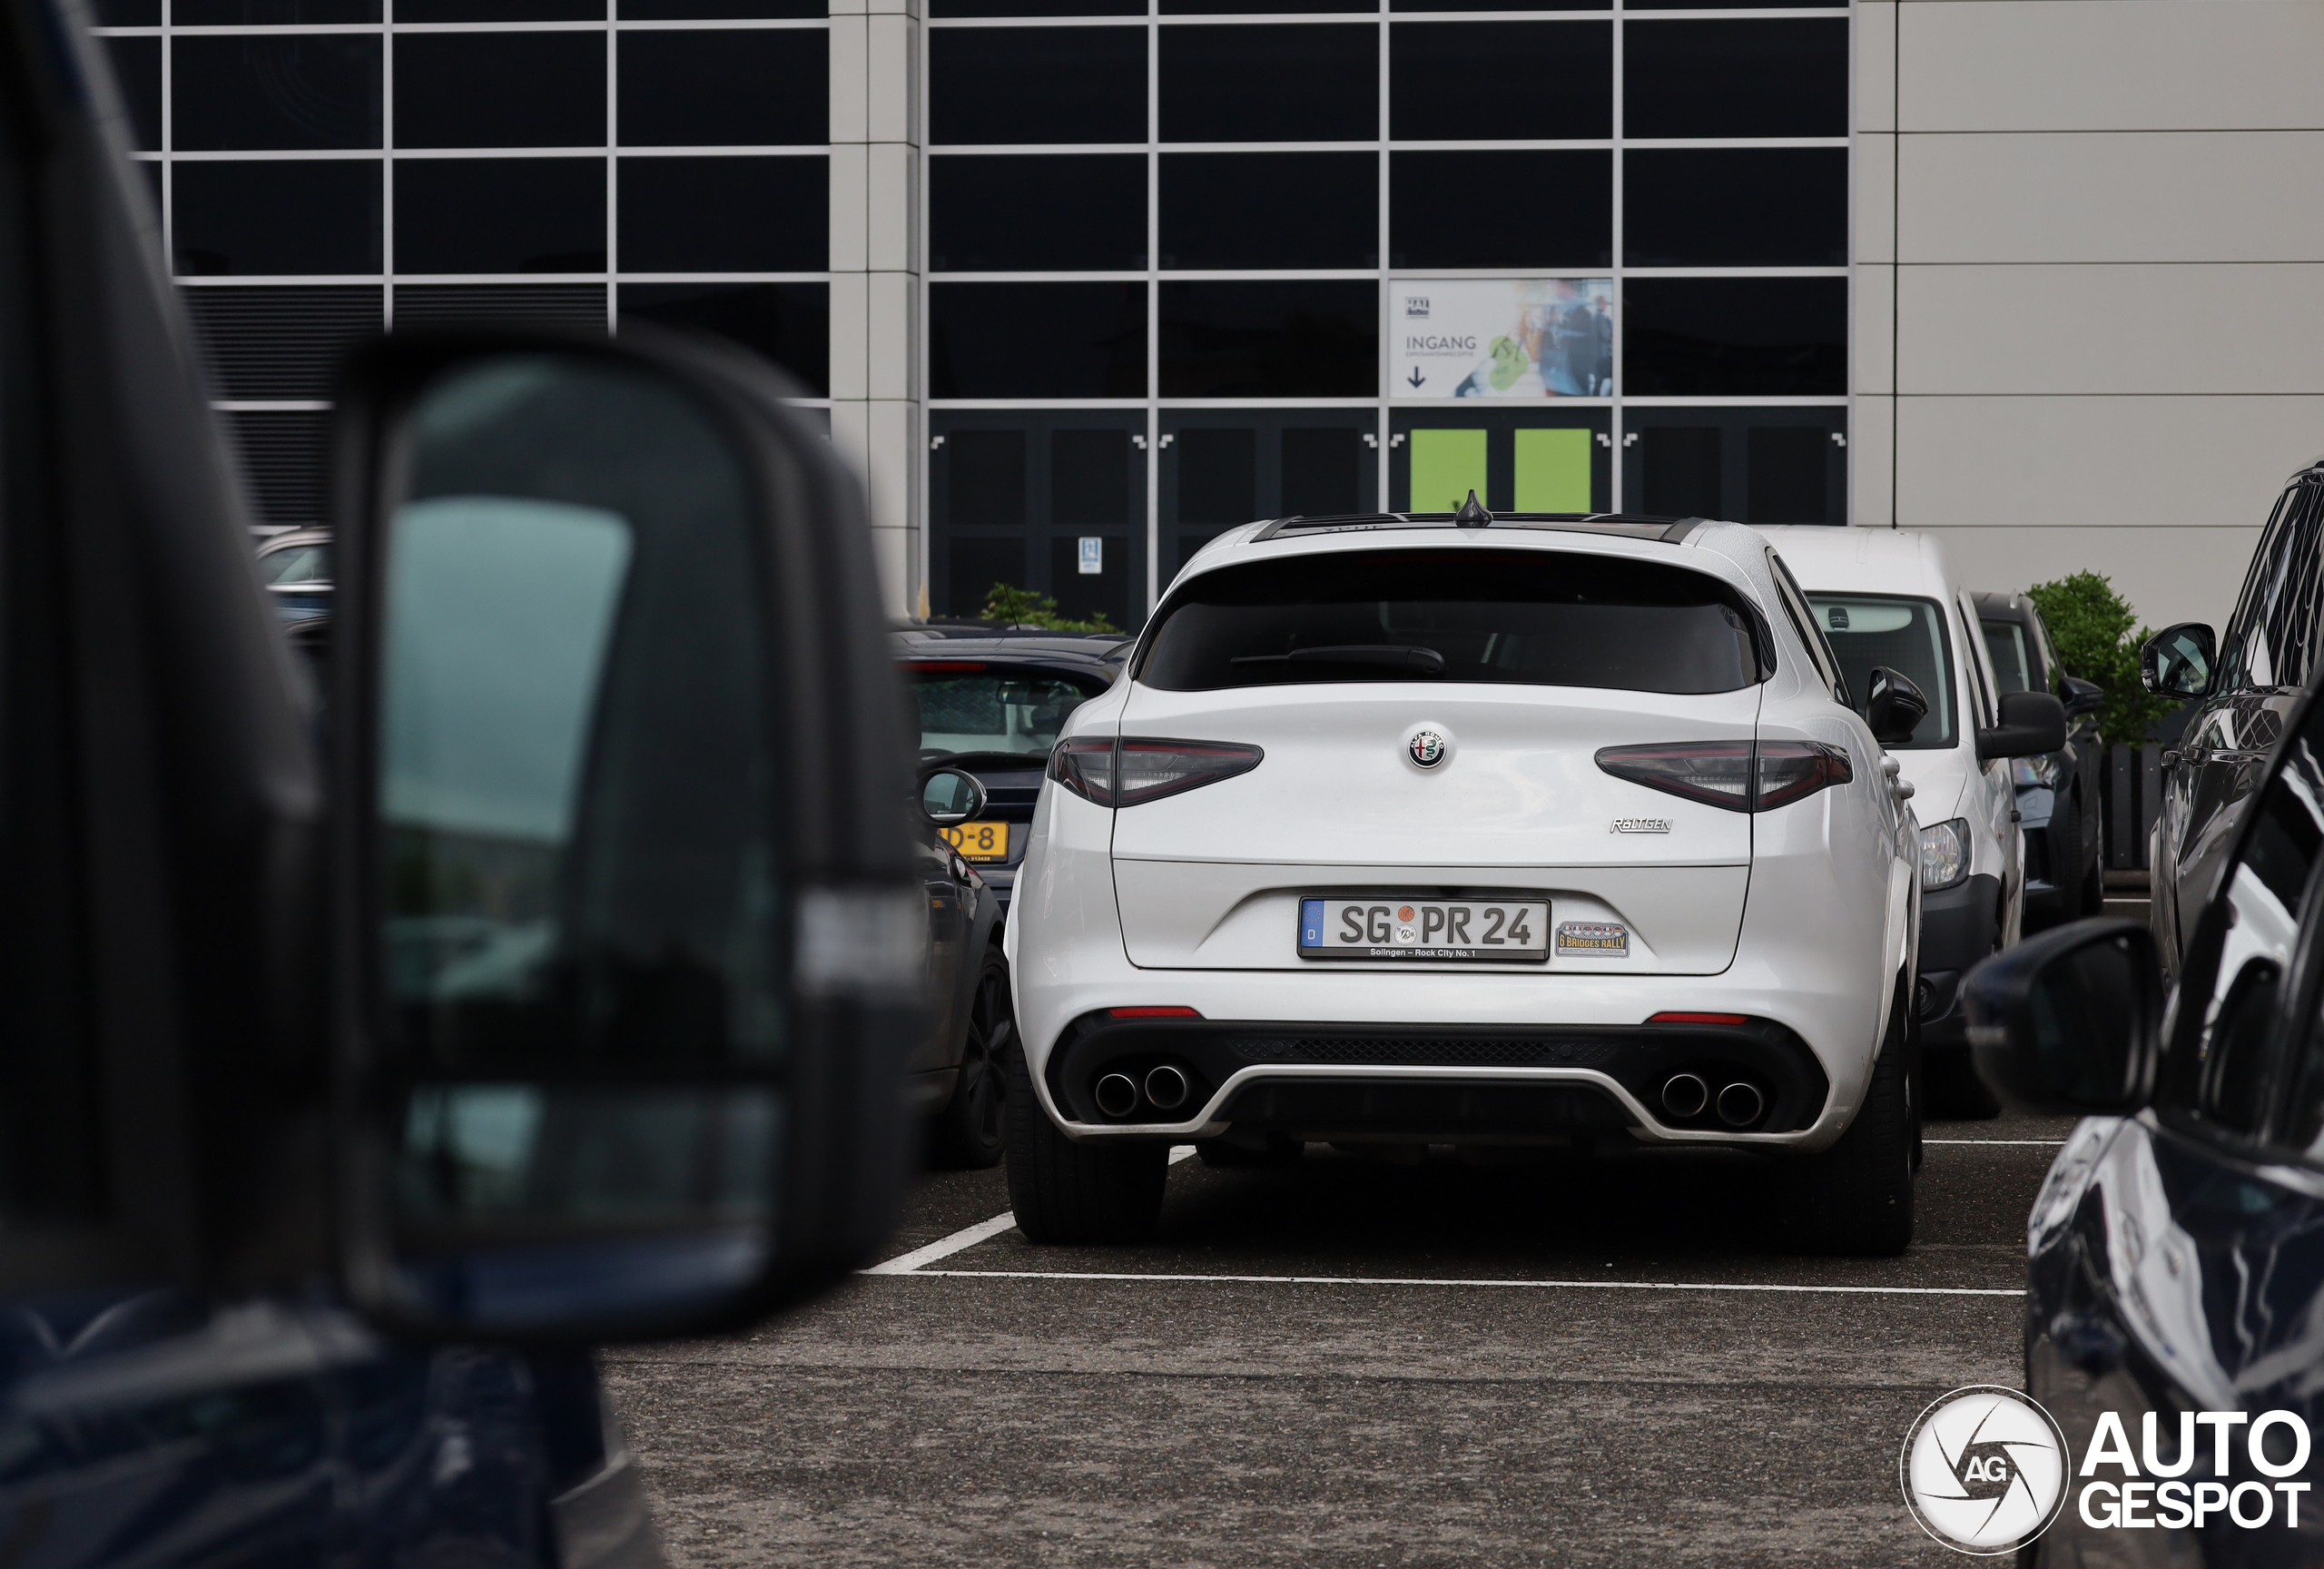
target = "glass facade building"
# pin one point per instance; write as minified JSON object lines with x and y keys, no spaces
{"x":328,"y":168}
{"x":1173,"y":264}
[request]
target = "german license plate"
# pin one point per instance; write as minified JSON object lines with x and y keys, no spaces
{"x":1431,"y":930}
{"x":978,"y":841}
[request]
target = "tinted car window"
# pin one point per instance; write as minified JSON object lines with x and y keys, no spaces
{"x":2006,"y":644}
{"x":967,"y":707}
{"x":2272,"y":642}
{"x":296,"y":564}
{"x":1908,"y":636}
{"x":1805,"y":622}
{"x":2046,"y":652}
{"x":1531,"y":617}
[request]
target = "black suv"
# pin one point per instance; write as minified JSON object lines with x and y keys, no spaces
{"x":2246,"y":684}
{"x":2057,"y":792}
{"x":989,"y":697}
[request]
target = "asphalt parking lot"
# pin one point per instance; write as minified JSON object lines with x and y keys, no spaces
{"x":1619,"y":1360}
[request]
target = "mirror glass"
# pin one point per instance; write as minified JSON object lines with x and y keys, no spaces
{"x":2182,"y":664}
{"x":949,"y":795}
{"x":2085,"y":1008}
{"x":580,"y":894}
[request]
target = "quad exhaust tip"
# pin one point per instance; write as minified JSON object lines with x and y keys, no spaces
{"x":1167,"y":1088}
{"x":1116,"y":1094}
{"x":1685,"y":1095}
{"x":1740,"y":1104}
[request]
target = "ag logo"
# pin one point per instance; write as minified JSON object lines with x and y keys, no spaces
{"x":1983,"y":1469}
{"x":1427,"y":747}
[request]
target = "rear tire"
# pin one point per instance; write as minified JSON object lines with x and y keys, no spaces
{"x":1068,"y":1191}
{"x":970,"y":1132}
{"x":1857,"y":1196}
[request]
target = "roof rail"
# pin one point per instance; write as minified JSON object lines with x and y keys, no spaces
{"x":1631,"y":525}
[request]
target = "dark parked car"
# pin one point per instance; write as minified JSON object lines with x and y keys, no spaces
{"x":991,"y":698}
{"x":959,"y":1074}
{"x":349,"y":1093}
{"x":2245,"y":684}
{"x":2058,"y":800}
{"x":2177,"y":1249}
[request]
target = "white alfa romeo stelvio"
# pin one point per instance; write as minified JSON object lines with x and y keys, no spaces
{"x":1449,"y":829}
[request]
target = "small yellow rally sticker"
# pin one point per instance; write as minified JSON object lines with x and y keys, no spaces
{"x":1603,"y":939}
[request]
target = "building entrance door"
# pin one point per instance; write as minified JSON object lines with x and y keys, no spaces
{"x":1740,"y":464}
{"x":1225,"y":467}
{"x":1053,"y":501}
{"x":1531,"y":460}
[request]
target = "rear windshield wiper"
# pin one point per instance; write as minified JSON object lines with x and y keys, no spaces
{"x":1386,"y":655}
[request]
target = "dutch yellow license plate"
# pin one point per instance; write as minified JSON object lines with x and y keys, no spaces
{"x":979,"y":840}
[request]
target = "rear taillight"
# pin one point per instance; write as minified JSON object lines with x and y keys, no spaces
{"x":1737,"y":776}
{"x":1086,"y":768}
{"x":1137,"y":769}
{"x":1715,"y":772}
{"x":1792,"y":771}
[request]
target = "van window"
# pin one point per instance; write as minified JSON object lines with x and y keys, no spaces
{"x":1980,"y":673}
{"x":1530,"y":617}
{"x":1905,"y":635}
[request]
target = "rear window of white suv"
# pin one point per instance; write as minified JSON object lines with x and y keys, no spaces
{"x":1531,"y":617}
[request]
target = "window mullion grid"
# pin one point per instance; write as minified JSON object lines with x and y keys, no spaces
{"x":388,"y":164}
{"x":169,"y":143}
{"x":923,"y":289}
{"x":1615,"y":437}
{"x":1382,"y":127}
{"x":613,"y":171}
{"x":1153,"y":302}
{"x":1848,"y":356}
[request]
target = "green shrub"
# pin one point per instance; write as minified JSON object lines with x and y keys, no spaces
{"x":2097,"y":637}
{"x":1028,"y":608}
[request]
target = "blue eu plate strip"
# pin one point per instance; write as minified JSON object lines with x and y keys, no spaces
{"x":1311,"y":922}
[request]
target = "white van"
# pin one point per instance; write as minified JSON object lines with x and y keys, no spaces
{"x":1884,"y":596}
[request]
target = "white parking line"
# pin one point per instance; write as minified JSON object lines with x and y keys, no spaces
{"x":909,"y":1263}
{"x":961,"y":1241}
{"x":1407,"y":1280}
{"x":2046,"y":1143}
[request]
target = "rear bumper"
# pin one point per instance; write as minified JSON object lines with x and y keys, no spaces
{"x":1340,"y":1082}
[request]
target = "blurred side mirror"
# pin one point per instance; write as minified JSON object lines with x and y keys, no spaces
{"x":625,"y":978}
{"x":949,"y":795}
{"x":2032,"y":723}
{"x":1893,"y":706}
{"x":2180,"y":661}
{"x":2070,"y":1021}
{"x":2082,"y":696}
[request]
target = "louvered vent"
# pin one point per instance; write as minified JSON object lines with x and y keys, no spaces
{"x":279,"y":343}
{"x":446,"y":304}
{"x":282,"y":458}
